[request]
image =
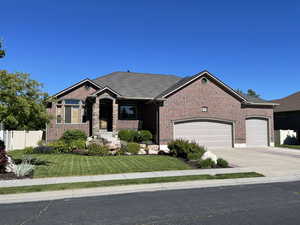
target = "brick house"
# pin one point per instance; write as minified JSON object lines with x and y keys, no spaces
{"x":200,"y":108}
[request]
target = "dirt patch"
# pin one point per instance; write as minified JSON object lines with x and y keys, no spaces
{"x":11,"y":176}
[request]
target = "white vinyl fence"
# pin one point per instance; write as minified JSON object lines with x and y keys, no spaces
{"x":20,"y":139}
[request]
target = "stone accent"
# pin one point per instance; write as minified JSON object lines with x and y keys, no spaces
{"x":210,"y":155}
{"x":115,"y":115}
{"x":96,"y":116}
{"x":153,"y":149}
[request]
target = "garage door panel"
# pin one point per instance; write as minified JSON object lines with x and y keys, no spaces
{"x":257,"y":132}
{"x":206,"y":133}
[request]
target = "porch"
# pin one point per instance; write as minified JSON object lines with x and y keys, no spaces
{"x":111,"y":114}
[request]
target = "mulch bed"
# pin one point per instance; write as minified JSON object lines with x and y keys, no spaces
{"x":11,"y":176}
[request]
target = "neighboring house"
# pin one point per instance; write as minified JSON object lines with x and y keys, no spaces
{"x":287,"y":118}
{"x":200,"y":108}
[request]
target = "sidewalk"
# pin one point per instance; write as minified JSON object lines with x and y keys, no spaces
{"x":114,"y":190}
{"x":121,"y":176}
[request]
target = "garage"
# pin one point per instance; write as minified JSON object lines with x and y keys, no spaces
{"x":204,"y":132}
{"x":256,"y":132}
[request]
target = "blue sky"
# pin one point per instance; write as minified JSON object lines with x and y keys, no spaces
{"x":247,"y":44}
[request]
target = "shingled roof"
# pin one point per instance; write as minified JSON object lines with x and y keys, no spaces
{"x":146,"y":85}
{"x":289,"y":103}
{"x":131,"y":84}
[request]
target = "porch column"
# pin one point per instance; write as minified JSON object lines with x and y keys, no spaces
{"x":115,"y":114}
{"x":96,"y":111}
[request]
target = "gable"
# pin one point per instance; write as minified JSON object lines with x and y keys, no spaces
{"x":77,"y":91}
{"x":198,"y":80}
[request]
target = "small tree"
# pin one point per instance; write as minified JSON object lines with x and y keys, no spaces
{"x":2,"y":52}
{"x":252,"y":93}
{"x":22,"y":103}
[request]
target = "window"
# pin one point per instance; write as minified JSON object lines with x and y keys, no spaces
{"x":128,"y":112}
{"x":204,"y":109}
{"x":70,"y":111}
{"x":204,"y":80}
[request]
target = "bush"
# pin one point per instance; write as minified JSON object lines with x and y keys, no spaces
{"x":3,"y":157}
{"x":101,"y":150}
{"x":194,"y":155}
{"x":144,"y":136}
{"x":77,"y":144}
{"x":222,"y":163}
{"x":133,"y":148}
{"x":73,"y":135}
{"x":45,"y":150}
{"x":24,"y":169}
{"x":59,"y":146}
{"x":128,"y":135}
{"x":206,"y":164}
{"x":185,"y":149}
{"x":29,"y":150}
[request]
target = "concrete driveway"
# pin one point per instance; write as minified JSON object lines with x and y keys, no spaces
{"x":268,"y":161}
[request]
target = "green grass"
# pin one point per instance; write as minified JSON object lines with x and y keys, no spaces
{"x":289,"y":146}
{"x":80,"y":165}
{"x":65,"y":186}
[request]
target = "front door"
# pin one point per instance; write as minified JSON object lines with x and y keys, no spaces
{"x":106,"y":114}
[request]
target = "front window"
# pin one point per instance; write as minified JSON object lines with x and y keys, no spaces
{"x":70,"y":111}
{"x":128,"y":112}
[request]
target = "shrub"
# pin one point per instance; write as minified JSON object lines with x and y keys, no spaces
{"x":122,"y":150}
{"x":3,"y":157}
{"x":206,"y":164}
{"x":185,"y":149}
{"x":29,"y":150}
{"x":45,"y":150}
{"x":24,"y":169}
{"x":73,"y":135}
{"x":144,"y":136}
{"x":59,"y":146}
{"x":101,"y":150}
{"x":133,"y":148}
{"x":128,"y":135}
{"x":222,"y":163}
{"x":194,"y":155}
{"x":77,"y":144}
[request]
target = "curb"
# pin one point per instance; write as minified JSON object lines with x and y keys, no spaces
{"x":115,"y":190}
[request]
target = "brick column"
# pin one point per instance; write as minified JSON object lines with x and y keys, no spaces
{"x":115,"y":113}
{"x":96,"y":114}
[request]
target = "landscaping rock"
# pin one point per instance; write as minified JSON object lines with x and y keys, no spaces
{"x":143,"y":146}
{"x":153,"y":148}
{"x":142,"y":152}
{"x":10,"y":166}
{"x":114,"y":145}
{"x":210,"y":155}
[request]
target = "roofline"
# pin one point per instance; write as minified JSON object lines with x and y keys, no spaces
{"x":75,"y":85}
{"x":213,"y":77}
{"x":261,"y":103}
{"x":141,"y":98}
{"x":108,"y":88}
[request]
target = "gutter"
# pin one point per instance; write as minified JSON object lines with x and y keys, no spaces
{"x":263,"y":103}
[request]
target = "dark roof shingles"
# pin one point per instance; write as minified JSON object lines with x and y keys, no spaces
{"x":289,"y":103}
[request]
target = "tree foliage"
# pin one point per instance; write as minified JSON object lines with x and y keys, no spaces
{"x":22,"y":103}
{"x":2,"y":52}
{"x":252,"y":93}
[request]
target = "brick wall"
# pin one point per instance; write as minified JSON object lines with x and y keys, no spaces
{"x":55,"y":131}
{"x":187,"y":103}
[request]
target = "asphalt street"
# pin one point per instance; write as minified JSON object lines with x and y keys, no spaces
{"x":264,"y":204}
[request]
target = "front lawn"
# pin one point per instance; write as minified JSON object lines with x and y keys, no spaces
{"x":289,"y":146}
{"x":79,"y":165}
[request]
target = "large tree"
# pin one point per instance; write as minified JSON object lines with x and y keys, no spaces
{"x":2,"y":52}
{"x":22,"y":103}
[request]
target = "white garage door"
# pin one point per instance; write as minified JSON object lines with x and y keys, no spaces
{"x":257,"y":132}
{"x":205,"y":133}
